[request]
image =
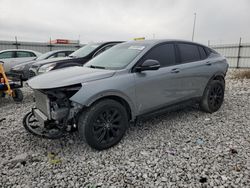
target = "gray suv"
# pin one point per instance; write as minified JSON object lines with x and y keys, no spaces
{"x":123,"y":83}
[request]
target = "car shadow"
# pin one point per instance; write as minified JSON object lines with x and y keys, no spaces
{"x":71,"y":144}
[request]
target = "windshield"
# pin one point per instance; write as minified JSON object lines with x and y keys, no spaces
{"x":116,"y":58}
{"x":44,"y":56}
{"x":85,"y":50}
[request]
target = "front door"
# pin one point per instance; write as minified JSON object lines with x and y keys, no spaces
{"x":157,"y":88}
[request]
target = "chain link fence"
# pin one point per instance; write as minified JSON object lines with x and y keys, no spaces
{"x":36,"y":46}
{"x":238,"y":55}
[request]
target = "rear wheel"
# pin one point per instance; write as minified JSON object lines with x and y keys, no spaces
{"x":213,"y":96}
{"x":104,"y":124}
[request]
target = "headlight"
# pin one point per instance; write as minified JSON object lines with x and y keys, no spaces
{"x":46,"y":68}
{"x":18,"y":67}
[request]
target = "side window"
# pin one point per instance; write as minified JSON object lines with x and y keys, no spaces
{"x":202,"y":53}
{"x":52,"y":56}
{"x":32,"y":54}
{"x":164,"y":53}
{"x":61,"y":54}
{"x":22,"y":54}
{"x":6,"y":55}
{"x":188,"y":52}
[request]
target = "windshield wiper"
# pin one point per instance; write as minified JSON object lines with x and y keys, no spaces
{"x":96,"y":67}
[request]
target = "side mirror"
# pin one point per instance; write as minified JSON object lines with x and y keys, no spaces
{"x":149,"y":64}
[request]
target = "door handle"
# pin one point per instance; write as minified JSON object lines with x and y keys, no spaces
{"x":208,"y":63}
{"x":175,"y":70}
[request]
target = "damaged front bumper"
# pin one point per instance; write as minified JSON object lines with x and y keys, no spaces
{"x":53,"y":107}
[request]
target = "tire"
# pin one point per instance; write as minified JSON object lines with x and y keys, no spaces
{"x":18,"y":95}
{"x":103,"y":124}
{"x":29,"y":118}
{"x":213,"y":96}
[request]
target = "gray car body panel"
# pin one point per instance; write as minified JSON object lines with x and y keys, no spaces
{"x":68,"y":76}
{"x":143,"y":92}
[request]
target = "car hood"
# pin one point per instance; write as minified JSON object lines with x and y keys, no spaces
{"x":52,"y":60}
{"x":68,"y":76}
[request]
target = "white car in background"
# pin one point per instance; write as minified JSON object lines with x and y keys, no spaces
{"x":11,"y":58}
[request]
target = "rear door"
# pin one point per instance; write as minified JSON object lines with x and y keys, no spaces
{"x":158,"y":88}
{"x":194,"y":69}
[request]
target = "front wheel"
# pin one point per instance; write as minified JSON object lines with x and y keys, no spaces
{"x":104,"y":124}
{"x":213,"y":96}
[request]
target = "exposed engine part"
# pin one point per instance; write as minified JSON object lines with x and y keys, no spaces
{"x":53,"y":112}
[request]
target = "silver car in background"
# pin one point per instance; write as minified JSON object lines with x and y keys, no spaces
{"x":123,"y":83}
{"x":23,"y":68}
{"x":11,"y":58}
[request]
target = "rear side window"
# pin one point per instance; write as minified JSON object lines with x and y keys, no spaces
{"x":202,"y":52}
{"x":188,"y":53}
{"x":6,"y":55}
{"x":23,"y":54}
{"x":164,"y":53}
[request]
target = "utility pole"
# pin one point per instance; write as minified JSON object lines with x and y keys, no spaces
{"x":16,"y":42}
{"x":194,"y":26}
{"x":238,"y":57}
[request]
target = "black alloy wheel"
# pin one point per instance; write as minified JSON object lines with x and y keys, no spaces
{"x":216,"y":95}
{"x":107,"y":125}
{"x":213,"y":96}
{"x":103,"y":124}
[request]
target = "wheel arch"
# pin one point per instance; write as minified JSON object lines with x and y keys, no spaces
{"x":217,"y":76}
{"x":119,"y":97}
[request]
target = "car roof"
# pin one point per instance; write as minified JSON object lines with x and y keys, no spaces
{"x":158,"y":41}
{"x":25,"y":50}
{"x":62,"y":50}
{"x":107,"y":42}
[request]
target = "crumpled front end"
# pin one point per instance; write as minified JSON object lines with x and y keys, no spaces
{"x":54,"y":111}
{"x":54,"y":104}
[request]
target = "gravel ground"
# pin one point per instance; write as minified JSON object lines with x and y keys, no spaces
{"x":187,"y":148}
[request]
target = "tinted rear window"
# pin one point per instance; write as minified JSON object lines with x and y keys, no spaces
{"x":188,"y":52}
{"x":202,"y":53}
